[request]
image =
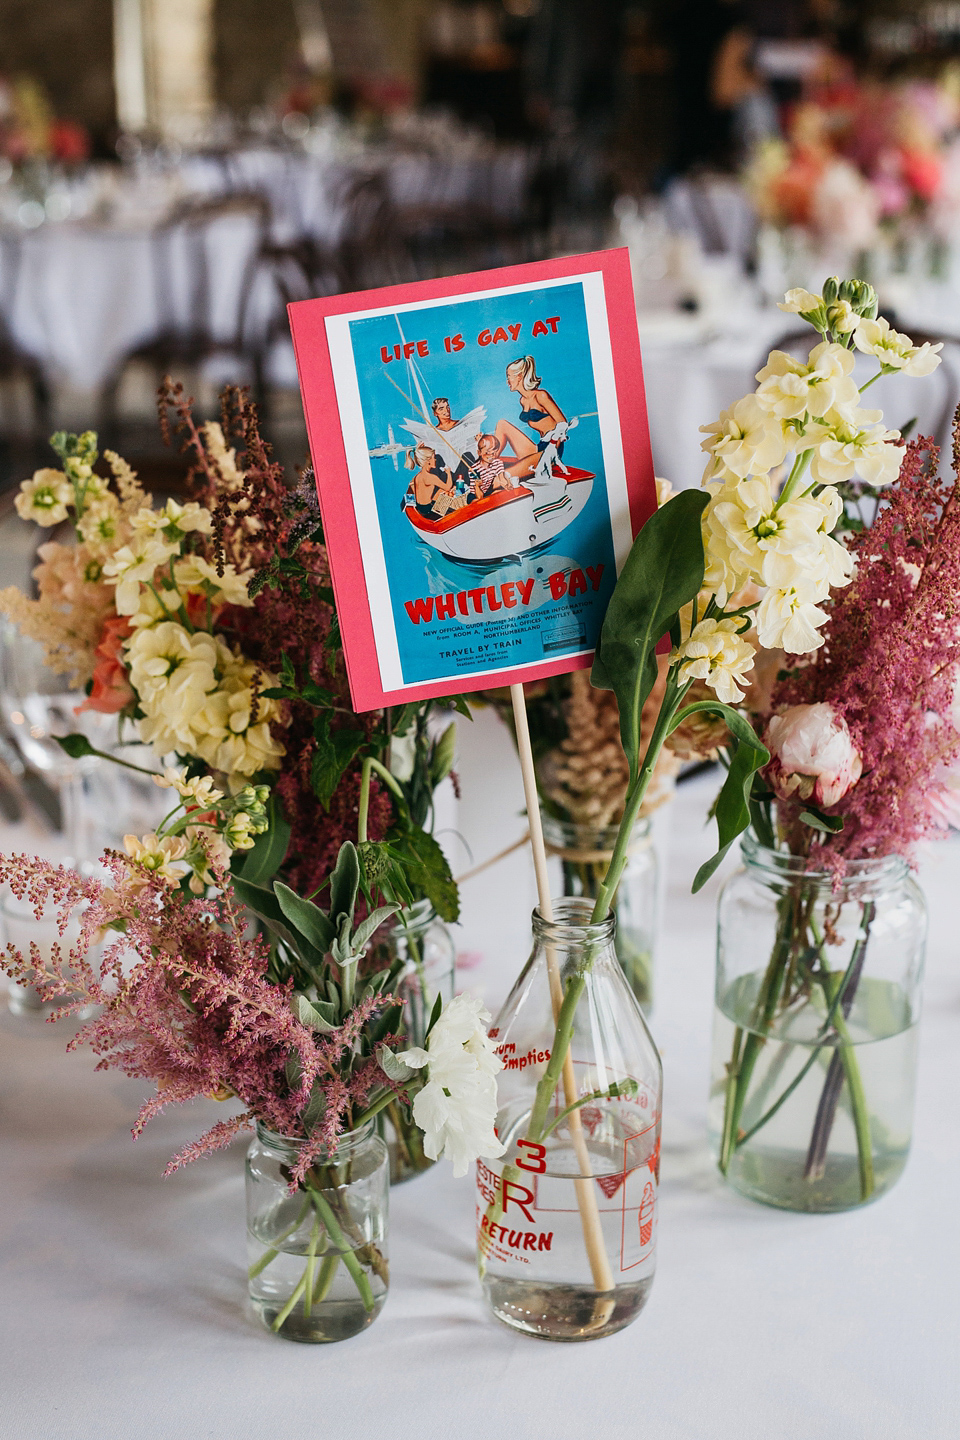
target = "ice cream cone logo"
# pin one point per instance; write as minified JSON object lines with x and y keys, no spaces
{"x":645,"y":1216}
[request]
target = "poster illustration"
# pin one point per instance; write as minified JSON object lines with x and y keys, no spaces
{"x":488,"y":479}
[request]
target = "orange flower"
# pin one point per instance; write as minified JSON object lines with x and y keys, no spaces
{"x":112,"y":691}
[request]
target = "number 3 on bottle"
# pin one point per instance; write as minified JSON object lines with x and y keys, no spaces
{"x":536,"y":1160}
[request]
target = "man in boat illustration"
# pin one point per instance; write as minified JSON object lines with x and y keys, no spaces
{"x":453,"y":440}
{"x":432,"y":490}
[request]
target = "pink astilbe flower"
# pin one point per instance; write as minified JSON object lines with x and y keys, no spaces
{"x":889,"y":667}
{"x":193,"y":1014}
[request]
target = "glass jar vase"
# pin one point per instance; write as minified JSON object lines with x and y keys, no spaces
{"x":566,"y":1218}
{"x":425,"y":946}
{"x":317,"y":1253}
{"x":583,"y":853}
{"x":815,"y":1028}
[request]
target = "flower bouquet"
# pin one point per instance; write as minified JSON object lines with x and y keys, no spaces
{"x":209,"y":629}
{"x":753,"y":561}
{"x":193,"y":1003}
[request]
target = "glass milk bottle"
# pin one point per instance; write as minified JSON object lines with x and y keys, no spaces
{"x":566,"y":1218}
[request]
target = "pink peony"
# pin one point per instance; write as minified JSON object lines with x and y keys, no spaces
{"x":812,"y":754}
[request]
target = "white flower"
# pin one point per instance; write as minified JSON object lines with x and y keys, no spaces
{"x":173,"y":521}
{"x":789,"y":389}
{"x":172,"y":672}
{"x":457,"y":1108}
{"x":855,"y":444}
{"x":232,"y":730}
{"x":240,"y":831}
{"x":163,"y":857}
{"x":717,"y":654}
{"x":99,"y":527}
{"x":812,"y":754}
{"x":800,"y":302}
{"x":195,"y":573}
{"x":45,"y":497}
{"x":133,"y":565}
{"x":788,"y":618}
{"x":746,"y":440}
{"x":841,"y":317}
{"x":665,"y":490}
{"x":201,"y":788}
{"x":876,"y":337}
{"x":208,"y":848}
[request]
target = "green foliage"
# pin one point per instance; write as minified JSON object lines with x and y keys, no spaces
{"x":817,"y":820}
{"x":732,"y":806}
{"x":261,"y":863}
{"x":335,"y":749}
{"x":663,"y":572}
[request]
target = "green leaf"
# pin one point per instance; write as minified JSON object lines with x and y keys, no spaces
{"x":313,"y":1016}
{"x":394,"y":1069}
{"x":314,"y":1109}
{"x":732,"y":805}
{"x":461,"y":706}
{"x":434,"y":1015}
{"x":344,"y":884}
{"x":828,"y":824}
{"x":261,"y":863}
{"x":368,"y":928}
{"x":663,"y":572}
{"x":305,"y":917}
{"x":76,"y":746}
{"x":403,"y":718}
{"x":441,"y":761}
{"x":333,"y":754}
{"x":427,"y":872}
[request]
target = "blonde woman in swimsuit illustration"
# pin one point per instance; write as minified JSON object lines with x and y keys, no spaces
{"x":538,"y":409}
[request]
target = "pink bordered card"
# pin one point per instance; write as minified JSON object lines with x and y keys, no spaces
{"x":483,"y":462}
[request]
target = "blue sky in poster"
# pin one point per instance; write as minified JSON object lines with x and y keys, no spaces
{"x":530,"y":599}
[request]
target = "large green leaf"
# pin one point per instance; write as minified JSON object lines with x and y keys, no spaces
{"x":427,"y":872}
{"x":333,"y":753}
{"x":344,"y":884}
{"x":663,"y":572}
{"x":306,"y":918}
{"x":260,"y":864}
{"x":732,"y":808}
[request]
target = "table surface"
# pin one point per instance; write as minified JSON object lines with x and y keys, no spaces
{"x":124,"y":1293}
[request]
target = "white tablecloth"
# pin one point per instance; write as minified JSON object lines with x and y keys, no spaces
{"x":123,"y":1294}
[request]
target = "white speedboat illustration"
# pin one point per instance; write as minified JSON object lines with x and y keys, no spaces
{"x":504,"y":523}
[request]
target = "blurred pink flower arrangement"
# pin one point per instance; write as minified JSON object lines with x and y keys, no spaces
{"x":859,"y":155}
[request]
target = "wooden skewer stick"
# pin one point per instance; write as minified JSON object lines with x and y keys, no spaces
{"x":586,"y":1194}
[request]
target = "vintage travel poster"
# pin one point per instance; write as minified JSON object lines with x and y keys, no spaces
{"x":482,"y":461}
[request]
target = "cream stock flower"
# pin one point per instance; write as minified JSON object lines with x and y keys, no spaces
{"x":195,"y":573}
{"x":132,"y":566}
{"x":45,"y":497}
{"x":718,"y":655}
{"x":100,"y":525}
{"x":173,"y":520}
{"x":746,"y":440}
{"x":788,"y":618}
{"x":855,"y":444}
{"x":228,"y":736}
{"x":877,"y":337}
{"x":790,"y":389}
{"x":457,"y":1108}
{"x":800,"y":302}
{"x":172,"y":672}
{"x":201,"y":788}
{"x":163,"y":857}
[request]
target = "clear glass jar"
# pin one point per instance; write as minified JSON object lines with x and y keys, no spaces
{"x":815,"y":1029}
{"x":583,"y":853}
{"x":566,"y":1219}
{"x":424,"y":944}
{"x":317,"y":1255}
